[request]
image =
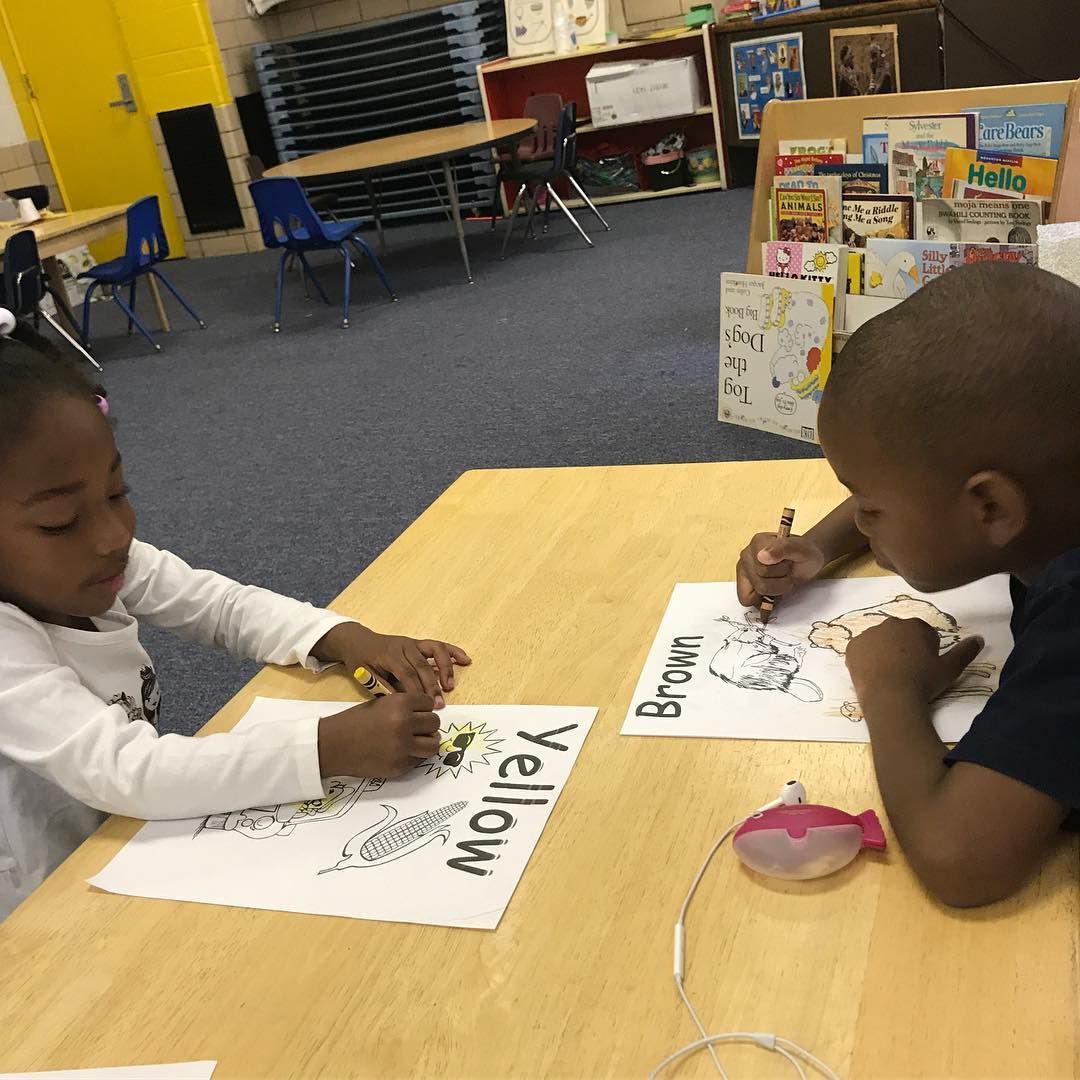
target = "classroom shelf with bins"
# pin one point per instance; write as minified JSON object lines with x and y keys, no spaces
{"x":506,"y":84}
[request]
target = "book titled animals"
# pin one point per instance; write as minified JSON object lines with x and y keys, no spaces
{"x":898,"y":268}
{"x":878,"y":215}
{"x":833,"y":201}
{"x":988,"y":221}
{"x":801,"y":214}
{"x":775,"y":352}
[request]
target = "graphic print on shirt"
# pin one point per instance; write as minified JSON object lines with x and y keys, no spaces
{"x":134,"y":712}
{"x":151,"y":694}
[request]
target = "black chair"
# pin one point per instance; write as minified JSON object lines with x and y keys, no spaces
{"x":25,"y":285}
{"x":536,"y":176}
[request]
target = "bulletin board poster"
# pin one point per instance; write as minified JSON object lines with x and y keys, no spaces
{"x":763,"y":69}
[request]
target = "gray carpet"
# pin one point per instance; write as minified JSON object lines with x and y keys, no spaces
{"x":292,"y":460}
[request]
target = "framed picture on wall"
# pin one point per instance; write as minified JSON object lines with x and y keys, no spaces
{"x":865,"y":60}
{"x":763,"y":69}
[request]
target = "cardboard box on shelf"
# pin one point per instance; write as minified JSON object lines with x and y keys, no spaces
{"x":630,"y":91}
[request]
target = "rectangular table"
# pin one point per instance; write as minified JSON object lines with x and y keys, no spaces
{"x":555,"y":580}
{"x":63,"y":230}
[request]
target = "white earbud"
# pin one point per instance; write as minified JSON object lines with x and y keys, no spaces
{"x":791,"y":794}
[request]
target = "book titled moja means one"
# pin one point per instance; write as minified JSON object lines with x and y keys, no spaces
{"x":775,"y":352}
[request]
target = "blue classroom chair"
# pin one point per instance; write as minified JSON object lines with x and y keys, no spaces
{"x":289,"y":222}
{"x":146,"y":246}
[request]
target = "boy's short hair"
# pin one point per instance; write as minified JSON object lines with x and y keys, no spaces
{"x":980,"y":368}
{"x":31,"y":371}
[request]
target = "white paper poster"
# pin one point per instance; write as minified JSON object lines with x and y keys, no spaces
{"x":714,"y":670}
{"x":183,"y":1070}
{"x":445,"y":844}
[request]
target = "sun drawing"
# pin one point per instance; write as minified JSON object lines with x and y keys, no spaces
{"x":821,"y":260}
{"x":463,"y":747}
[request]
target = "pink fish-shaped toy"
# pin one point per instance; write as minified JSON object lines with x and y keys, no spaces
{"x":807,"y":841}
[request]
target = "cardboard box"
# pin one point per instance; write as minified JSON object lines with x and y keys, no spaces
{"x":634,"y":90}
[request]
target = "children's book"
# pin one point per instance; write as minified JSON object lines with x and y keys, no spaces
{"x":875,"y":148}
{"x":917,"y":146}
{"x":803,"y":164}
{"x":861,"y":309}
{"x":1031,"y":130}
{"x":993,"y":221}
{"x":826,"y":263}
{"x":858,"y":179}
{"x":899,"y":268}
{"x":811,"y":146}
{"x":801,"y":214}
{"x":831,"y":185}
{"x":1002,"y":175}
{"x":775,"y":352}
{"x":877,"y":215}
{"x":855,"y":258}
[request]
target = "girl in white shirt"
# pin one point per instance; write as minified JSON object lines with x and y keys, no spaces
{"x":79,"y":697}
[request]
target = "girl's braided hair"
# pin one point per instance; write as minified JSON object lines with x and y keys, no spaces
{"x":32,"y":370}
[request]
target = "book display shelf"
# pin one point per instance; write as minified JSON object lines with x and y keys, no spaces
{"x":843,"y":117}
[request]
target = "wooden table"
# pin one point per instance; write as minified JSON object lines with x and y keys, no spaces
{"x":66,"y":229}
{"x":555,"y":579}
{"x":439,"y":144}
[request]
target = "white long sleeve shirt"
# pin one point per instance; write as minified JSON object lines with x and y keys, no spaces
{"x":78,"y":708}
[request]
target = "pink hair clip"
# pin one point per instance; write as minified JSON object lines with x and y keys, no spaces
{"x":102,"y":404}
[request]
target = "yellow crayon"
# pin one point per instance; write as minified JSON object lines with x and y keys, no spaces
{"x":368,"y":682}
{"x":787,"y":519}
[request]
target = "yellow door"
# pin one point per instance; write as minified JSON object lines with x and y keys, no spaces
{"x":72,"y":53}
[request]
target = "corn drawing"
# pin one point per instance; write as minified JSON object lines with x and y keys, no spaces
{"x":389,"y":839}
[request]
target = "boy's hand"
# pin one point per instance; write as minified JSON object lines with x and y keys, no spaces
{"x":769,"y":566}
{"x":385,"y":737}
{"x":903,"y":654}
{"x":399,"y":662}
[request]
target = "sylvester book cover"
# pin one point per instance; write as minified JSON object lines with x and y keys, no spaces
{"x":775,"y":352}
{"x":878,"y":215}
{"x":897,"y":268}
{"x":917,"y":146}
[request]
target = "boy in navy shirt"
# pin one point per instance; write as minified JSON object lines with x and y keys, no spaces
{"x":954,"y":422}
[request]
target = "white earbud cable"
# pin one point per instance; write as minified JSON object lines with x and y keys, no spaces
{"x":785,"y":1047}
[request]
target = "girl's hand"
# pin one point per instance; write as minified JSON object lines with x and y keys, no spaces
{"x":385,"y":737}
{"x":402,"y":663}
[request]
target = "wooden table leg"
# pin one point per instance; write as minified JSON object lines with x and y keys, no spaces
{"x":59,"y":291}
{"x":163,"y":317}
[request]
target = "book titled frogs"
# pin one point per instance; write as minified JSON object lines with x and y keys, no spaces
{"x":775,"y":352}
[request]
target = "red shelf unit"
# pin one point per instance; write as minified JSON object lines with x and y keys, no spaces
{"x":506,"y":84}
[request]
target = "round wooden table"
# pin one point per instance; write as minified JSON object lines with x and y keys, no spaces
{"x":438,"y":144}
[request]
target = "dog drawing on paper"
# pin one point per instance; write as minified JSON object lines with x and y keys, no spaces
{"x":753,"y":659}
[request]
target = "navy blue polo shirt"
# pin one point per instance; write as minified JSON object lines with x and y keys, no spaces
{"x":1030,"y":728}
